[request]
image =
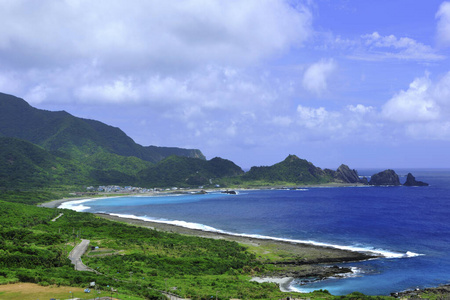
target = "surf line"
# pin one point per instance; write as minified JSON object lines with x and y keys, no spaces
{"x":202,"y":227}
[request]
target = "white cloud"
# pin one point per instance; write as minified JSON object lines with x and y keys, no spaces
{"x":413,"y":105}
{"x":315,"y":78}
{"x":38,"y":93}
{"x":120,"y":90}
{"x":163,"y":35}
{"x":443,"y":25}
{"x":345,"y":123}
{"x":360,"y":109}
{"x":377,"y":47}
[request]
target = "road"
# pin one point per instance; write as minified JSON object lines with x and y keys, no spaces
{"x":80,"y":249}
{"x":75,"y":256}
{"x":60,"y":215}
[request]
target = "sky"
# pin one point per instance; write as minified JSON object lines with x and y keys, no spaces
{"x":364,"y":83}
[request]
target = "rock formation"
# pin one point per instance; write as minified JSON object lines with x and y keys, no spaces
{"x":411,"y":181}
{"x":345,"y":174}
{"x":387,"y":177}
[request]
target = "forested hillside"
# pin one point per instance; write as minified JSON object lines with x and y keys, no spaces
{"x":76,"y":136}
{"x":184,"y":171}
{"x":291,"y":170}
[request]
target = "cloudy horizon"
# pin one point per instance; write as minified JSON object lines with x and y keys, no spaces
{"x":364,"y":84}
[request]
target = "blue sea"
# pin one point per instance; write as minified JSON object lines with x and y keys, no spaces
{"x":408,"y":226}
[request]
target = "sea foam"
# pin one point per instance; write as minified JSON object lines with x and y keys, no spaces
{"x":76,"y":205}
{"x":197,"y":226}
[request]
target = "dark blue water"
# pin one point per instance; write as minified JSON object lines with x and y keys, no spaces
{"x":409,"y":225}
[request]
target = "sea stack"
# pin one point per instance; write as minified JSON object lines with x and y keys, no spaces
{"x":387,"y":177}
{"x":411,"y":181}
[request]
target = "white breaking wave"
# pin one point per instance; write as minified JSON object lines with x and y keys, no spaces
{"x":197,"y":226}
{"x":76,"y":205}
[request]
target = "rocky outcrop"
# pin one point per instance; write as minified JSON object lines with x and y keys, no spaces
{"x":387,"y":177}
{"x":411,"y":181}
{"x":345,"y":174}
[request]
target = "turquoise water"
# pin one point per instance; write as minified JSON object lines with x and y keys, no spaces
{"x":409,"y":226}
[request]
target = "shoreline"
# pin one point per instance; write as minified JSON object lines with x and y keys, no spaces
{"x":306,"y":260}
{"x":58,"y":202}
{"x":328,"y":255}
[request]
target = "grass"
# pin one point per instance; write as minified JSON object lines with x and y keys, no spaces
{"x":31,"y":291}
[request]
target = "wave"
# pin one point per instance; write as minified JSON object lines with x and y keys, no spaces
{"x":197,"y":226}
{"x":77,"y":205}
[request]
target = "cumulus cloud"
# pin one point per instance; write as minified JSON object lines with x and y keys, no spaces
{"x":419,"y":103}
{"x":443,"y":25}
{"x":315,"y":78}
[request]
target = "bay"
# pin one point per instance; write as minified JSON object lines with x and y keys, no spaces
{"x":409,"y":225}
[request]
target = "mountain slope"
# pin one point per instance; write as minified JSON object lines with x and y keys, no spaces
{"x":79,"y":137}
{"x":291,"y":170}
{"x":23,"y":164}
{"x":184,"y":171}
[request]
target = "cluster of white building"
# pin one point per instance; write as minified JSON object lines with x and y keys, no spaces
{"x":119,"y":189}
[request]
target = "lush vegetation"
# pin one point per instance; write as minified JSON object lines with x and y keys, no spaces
{"x":60,"y":131}
{"x":52,"y":149}
{"x":134,"y":260}
{"x":24,"y":165}
{"x":291,"y":170}
{"x":188,"y":172}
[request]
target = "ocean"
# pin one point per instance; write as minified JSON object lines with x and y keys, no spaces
{"x":409,"y":226}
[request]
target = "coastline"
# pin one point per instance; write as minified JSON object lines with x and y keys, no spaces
{"x":58,"y":202}
{"x":312,"y":254}
{"x":304,"y":260}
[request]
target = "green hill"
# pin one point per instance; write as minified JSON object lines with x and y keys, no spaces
{"x":23,"y":164}
{"x":184,"y":171}
{"x":76,"y":136}
{"x":292,"y":170}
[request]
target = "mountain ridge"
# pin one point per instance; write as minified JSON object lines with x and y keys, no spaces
{"x":61,"y":131}
{"x":43,"y":148}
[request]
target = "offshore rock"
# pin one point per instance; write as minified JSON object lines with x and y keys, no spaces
{"x":411,"y":181}
{"x":347,"y":175}
{"x":387,"y":177}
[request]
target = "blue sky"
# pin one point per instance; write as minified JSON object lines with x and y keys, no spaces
{"x":365,"y":83}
